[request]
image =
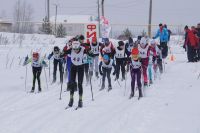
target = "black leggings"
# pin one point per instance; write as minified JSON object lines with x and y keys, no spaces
{"x":119,"y":64}
{"x":56,"y":63}
{"x":74,"y":71}
{"x":106,"y":72}
{"x":164,"y":49}
{"x":86,"y":69}
{"x":36,"y":75}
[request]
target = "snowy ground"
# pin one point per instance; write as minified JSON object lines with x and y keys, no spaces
{"x":171,"y":105}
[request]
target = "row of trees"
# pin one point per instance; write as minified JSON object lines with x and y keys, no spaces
{"x":23,"y":21}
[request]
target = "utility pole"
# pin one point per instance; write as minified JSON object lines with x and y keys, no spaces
{"x":102,"y":4}
{"x":56,"y":19}
{"x":48,"y":10}
{"x":150,"y":18}
{"x":99,"y":17}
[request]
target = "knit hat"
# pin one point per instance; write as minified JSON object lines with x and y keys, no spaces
{"x":135,"y":53}
{"x":106,"y":57}
{"x":121,"y":43}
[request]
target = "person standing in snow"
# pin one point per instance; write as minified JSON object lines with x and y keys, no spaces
{"x":152,"y":58}
{"x":77,"y":53}
{"x":198,"y":36}
{"x":37,"y":64}
{"x":107,"y":48}
{"x":121,"y":55}
{"x":135,"y":70}
{"x":190,"y":43}
{"x":162,"y":33}
{"x":105,"y":68}
{"x":95,"y":59}
{"x":144,"y":55}
{"x":57,"y":62}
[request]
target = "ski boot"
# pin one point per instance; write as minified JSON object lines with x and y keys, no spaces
{"x":102,"y":87}
{"x":116,"y":78}
{"x":145,"y":84}
{"x":132,"y":95}
{"x":97,"y":75}
{"x":71,"y":101}
{"x":39,"y":90}
{"x":80,"y":103}
{"x":32,"y":90}
{"x":140,"y":93}
{"x":151,"y":82}
{"x":109,"y":88}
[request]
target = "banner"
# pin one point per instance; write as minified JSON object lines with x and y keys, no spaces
{"x":91,"y":31}
{"x":105,"y":28}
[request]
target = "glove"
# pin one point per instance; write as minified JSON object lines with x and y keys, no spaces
{"x":114,"y":73}
{"x":154,"y":38}
{"x":44,"y":64}
{"x":49,"y":57}
{"x":25,"y":61}
{"x":101,"y":73}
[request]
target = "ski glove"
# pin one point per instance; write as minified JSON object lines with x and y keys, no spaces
{"x":114,"y":73}
{"x":49,"y":57}
{"x":101,"y":73}
{"x":44,"y":64}
{"x":25,"y":61}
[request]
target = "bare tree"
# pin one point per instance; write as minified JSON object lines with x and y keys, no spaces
{"x":22,"y":17}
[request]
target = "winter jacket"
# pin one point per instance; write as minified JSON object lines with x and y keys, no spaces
{"x":163,"y":34}
{"x":191,"y":39}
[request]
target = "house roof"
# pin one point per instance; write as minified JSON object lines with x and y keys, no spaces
{"x":73,"y":19}
{"x":5,"y":21}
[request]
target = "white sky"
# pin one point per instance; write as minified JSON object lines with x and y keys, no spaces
{"x":119,"y":11}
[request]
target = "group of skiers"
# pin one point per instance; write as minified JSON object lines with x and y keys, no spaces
{"x":142,"y":58}
{"x":192,"y":43}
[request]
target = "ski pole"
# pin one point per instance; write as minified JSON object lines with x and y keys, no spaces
{"x":61,"y":85}
{"x":125,"y":83}
{"x":198,"y":76}
{"x":26,"y":77}
{"x":49,"y":70}
{"x":46,"y":78}
{"x":119,"y":83}
{"x":91,"y":83}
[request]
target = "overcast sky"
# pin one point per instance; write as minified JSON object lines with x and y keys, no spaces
{"x":119,"y":11}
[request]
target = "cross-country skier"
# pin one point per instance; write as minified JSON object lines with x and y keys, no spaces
{"x":68,"y":60}
{"x":107,"y":48}
{"x":143,"y":53}
{"x":158,"y":60}
{"x":95,"y":59}
{"x":105,"y":68}
{"x":57,"y":61}
{"x":78,"y":53}
{"x":37,"y":64}
{"x":135,"y":70}
{"x":121,"y":55}
{"x":152,"y":58}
